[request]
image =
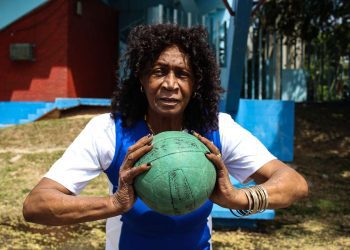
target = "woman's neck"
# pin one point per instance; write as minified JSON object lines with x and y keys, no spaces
{"x":157,"y":124}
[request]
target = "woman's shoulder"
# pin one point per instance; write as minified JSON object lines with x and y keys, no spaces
{"x":225,"y":119}
{"x":105,"y":120}
{"x":224,"y":115}
{"x":228,"y":126}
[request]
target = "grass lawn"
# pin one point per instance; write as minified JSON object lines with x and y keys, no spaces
{"x":322,"y":155}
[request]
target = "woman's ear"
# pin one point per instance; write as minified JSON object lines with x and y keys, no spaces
{"x":142,"y":81}
{"x":196,"y":92}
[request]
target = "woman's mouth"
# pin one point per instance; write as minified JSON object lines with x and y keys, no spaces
{"x":168,"y":101}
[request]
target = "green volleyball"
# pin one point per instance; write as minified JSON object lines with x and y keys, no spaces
{"x":181,"y":178}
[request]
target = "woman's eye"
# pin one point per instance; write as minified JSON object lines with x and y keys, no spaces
{"x":158,"y":72}
{"x":182,"y":74}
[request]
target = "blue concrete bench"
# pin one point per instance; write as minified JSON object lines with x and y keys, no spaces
{"x":14,"y":113}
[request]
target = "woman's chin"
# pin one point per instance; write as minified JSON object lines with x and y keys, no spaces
{"x":169,"y":112}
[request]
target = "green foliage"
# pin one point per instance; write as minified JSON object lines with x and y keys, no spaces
{"x":324,"y":26}
{"x":308,"y":19}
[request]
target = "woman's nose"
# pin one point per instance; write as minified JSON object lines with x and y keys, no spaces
{"x":170,"y":81}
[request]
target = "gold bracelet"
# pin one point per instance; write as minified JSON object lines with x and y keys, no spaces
{"x":261,"y":197}
{"x":266,"y":197}
{"x":255,"y":200}
{"x":249,"y":200}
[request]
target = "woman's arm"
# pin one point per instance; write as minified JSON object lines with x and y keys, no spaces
{"x":50,"y":203}
{"x":283,"y":184}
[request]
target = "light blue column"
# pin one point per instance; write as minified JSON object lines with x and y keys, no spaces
{"x":236,"y":49}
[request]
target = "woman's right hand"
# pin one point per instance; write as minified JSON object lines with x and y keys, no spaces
{"x":125,"y":197}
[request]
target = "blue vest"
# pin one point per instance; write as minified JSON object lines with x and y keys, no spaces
{"x":143,"y":228}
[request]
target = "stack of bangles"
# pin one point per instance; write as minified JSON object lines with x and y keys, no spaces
{"x":257,"y":201}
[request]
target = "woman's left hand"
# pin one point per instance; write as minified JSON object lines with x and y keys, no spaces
{"x":224,"y":193}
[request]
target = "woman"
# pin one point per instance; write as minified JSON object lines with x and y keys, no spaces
{"x":171,"y":82}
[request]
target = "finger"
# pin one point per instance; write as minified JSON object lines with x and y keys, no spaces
{"x":210,"y":145}
{"x":219,"y":164}
{"x":132,"y":157}
{"x":133,"y":154}
{"x":128,"y":176}
{"x":140,"y":169}
{"x":140,"y":143}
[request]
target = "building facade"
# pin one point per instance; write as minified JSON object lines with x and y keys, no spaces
{"x":73,"y":51}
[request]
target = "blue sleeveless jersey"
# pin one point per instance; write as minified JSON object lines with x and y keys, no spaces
{"x":144,"y":228}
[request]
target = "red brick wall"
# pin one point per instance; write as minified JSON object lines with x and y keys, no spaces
{"x":75,"y":55}
{"x":92,"y":49}
{"x":45,"y":78}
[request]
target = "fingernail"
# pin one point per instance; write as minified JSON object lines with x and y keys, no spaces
{"x":149,"y":135}
{"x":207,"y":153}
{"x":194,"y":133}
{"x":149,"y":164}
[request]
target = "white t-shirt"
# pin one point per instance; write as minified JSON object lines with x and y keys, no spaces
{"x":93,"y":150}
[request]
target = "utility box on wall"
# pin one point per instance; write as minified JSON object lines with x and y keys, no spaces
{"x":22,"y":52}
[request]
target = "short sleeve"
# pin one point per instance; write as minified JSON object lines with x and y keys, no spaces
{"x":242,"y":153}
{"x":89,"y":154}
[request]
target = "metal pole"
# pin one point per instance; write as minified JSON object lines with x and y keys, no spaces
{"x":246,"y":72}
{"x":203,"y":20}
{"x":160,"y":13}
{"x":217,"y":40}
{"x":253,"y":65}
{"x":267,"y":66}
{"x":175,"y":17}
{"x":260,"y":63}
{"x":189,"y":19}
{"x":274,"y":63}
{"x":167,"y":15}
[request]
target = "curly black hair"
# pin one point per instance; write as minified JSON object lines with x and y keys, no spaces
{"x":145,"y":44}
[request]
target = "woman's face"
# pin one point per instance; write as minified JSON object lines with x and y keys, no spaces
{"x":169,"y":84}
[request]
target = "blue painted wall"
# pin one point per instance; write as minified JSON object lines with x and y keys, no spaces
{"x":272,"y":122}
{"x":12,"y":10}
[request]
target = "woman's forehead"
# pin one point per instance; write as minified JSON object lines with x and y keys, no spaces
{"x":173,"y":55}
